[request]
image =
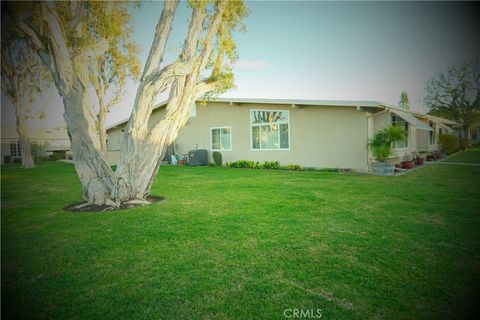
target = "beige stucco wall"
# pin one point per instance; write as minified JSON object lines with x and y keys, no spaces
{"x":320,"y":136}
{"x":381,"y":120}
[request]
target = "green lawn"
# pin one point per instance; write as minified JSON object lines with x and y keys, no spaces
{"x":245,"y":244}
{"x":470,"y":156}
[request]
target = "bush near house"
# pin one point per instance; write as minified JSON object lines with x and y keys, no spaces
{"x":448,"y":143}
{"x":295,"y":167}
{"x":464,"y":143}
{"x":271,"y":165}
{"x":217,"y":158}
{"x":248,"y":164}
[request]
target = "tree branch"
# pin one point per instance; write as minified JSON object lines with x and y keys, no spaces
{"x":162,"y":33}
{"x":209,"y":44}
{"x":194,"y":32}
{"x":32,"y":34}
{"x":77,"y":10}
{"x":63,"y":65}
{"x":169,"y":72}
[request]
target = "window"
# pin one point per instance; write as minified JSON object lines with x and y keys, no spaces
{"x":270,"y":129}
{"x":399,"y":122}
{"x":15,"y":149}
{"x":433,"y":134}
{"x":221,"y":138}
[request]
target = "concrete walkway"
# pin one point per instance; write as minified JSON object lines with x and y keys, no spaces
{"x":443,"y":161}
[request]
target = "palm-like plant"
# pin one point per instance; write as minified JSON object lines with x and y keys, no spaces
{"x":382,"y":141}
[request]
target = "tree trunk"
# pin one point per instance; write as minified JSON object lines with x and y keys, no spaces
{"x":25,"y":148}
{"x":103,"y":133}
{"x":96,"y":176}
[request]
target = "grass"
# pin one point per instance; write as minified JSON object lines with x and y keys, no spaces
{"x":470,"y":156}
{"x":244,"y":244}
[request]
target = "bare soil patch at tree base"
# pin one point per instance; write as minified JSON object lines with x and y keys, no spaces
{"x":84,"y":207}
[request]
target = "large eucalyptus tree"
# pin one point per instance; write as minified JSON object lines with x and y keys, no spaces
{"x":57,"y":31}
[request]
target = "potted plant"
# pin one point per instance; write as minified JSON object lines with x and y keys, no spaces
{"x":381,"y":146}
{"x":181,"y":159}
{"x":408,"y":164}
{"x":420,"y":161}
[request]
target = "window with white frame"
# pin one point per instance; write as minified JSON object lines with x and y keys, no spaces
{"x":399,"y":122}
{"x":270,"y":129}
{"x":221,"y":138}
{"x":15,"y":149}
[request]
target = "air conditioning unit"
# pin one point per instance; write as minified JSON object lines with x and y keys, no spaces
{"x":198,"y":157}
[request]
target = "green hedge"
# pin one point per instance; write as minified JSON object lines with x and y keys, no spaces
{"x":247,"y":164}
{"x":448,"y":143}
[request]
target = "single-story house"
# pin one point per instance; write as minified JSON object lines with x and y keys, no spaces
{"x":44,"y":142}
{"x":474,"y":134}
{"x":311,"y":133}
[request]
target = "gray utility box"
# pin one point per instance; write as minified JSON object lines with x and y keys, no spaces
{"x":198,"y":157}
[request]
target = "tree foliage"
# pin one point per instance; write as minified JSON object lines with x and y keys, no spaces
{"x":404,"y":100}
{"x":381,"y":144}
{"x":455,"y":94}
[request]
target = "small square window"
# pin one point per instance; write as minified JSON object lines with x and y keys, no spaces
{"x":221,"y":139}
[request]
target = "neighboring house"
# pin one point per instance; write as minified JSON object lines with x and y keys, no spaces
{"x":44,"y":141}
{"x":474,"y":134}
{"x":311,"y":133}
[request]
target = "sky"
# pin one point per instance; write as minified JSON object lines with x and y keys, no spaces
{"x":323,"y":50}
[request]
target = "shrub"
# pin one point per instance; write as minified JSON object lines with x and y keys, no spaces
{"x":38,"y":159}
{"x":56,"y":156}
{"x":329,"y":170}
{"x":217,"y":158}
{"x":294,"y":167}
{"x":448,"y":143}
{"x":464,"y":144}
{"x":247,"y":164}
{"x":382,"y":141}
{"x":271,"y":165}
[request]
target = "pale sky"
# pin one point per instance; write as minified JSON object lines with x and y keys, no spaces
{"x":324,"y":50}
